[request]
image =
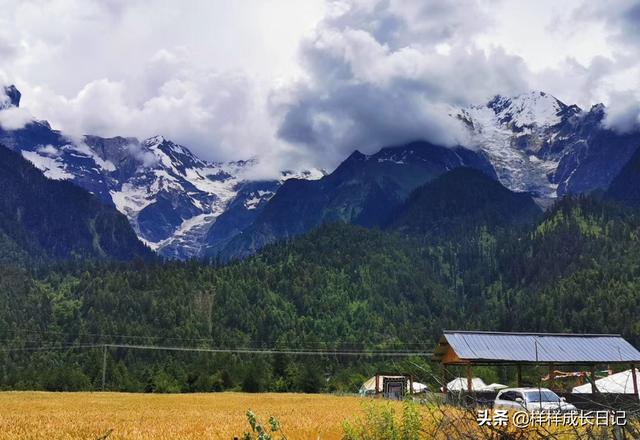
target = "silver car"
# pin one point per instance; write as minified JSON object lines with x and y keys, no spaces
{"x":531,"y":399}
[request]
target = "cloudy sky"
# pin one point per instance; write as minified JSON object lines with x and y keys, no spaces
{"x":302,"y":83}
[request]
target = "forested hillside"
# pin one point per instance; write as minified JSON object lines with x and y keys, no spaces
{"x":46,"y":219}
{"x":577,"y":269}
{"x":461,"y":199}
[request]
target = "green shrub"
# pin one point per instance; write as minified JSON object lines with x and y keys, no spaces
{"x":380,"y":423}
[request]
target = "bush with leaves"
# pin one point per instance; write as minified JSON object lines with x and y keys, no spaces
{"x":258,"y":432}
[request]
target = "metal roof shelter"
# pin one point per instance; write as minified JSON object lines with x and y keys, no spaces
{"x":496,"y":348}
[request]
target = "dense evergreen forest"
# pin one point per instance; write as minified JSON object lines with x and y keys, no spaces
{"x":575,"y":269}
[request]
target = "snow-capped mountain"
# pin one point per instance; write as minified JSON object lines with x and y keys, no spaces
{"x":513,"y":131}
{"x":183,"y":206}
{"x":540,"y":145}
{"x":170,"y":196}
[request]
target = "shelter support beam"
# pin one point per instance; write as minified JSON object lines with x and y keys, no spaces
{"x":519,"y":376}
{"x":469,"y":378}
{"x":592,"y":379}
{"x":635,"y":380}
{"x":444,"y":379}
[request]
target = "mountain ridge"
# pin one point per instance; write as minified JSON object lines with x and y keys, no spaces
{"x":363,"y":190}
{"x":184,"y":207}
{"x":170,"y":196}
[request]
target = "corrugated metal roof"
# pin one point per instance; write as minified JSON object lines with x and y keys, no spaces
{"x":551,"y":347}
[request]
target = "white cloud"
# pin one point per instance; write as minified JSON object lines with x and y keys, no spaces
{"x":48,"y":150}
{"x":623,"y":115}
{"x":304,"y":83}
{"x":217,"y":115}
{"x":197,"y":71}
{"x":13,"y":118}
{"x":145,"y":157}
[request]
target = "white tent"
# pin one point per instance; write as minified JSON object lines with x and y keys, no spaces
{"x":419,"y":387}
{"x":616,"y":383}
{"x":369,"y":387}
{"x":460,"y":384}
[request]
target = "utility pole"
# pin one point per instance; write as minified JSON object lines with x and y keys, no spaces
{"x":104,"y":366}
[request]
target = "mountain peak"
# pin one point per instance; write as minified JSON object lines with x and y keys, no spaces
{"x":155,"y":140}
{"x":598,"y":109}
{"x":12,"y":97}
{"x":356,"y":156}
{"x":528,"y":109}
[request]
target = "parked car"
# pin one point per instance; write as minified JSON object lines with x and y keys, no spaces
{"x":531,"y":399}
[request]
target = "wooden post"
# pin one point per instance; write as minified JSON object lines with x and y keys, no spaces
{"x":552,"y":375}
{"x":410,"y":385}
{"x":444,"y":379}
{"x":377,"y":383}
{"x":104,"y":366}
{"x":635,"y":380}
{"x":519,"y":376}
{"x":594,"y":388}
{"x":469,"y":379}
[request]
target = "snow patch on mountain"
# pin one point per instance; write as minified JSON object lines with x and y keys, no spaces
{"x":52,"y":167}
{"x":198,"y":193}
{"x":257,"y":197}
{"x":86,"y":151}
{"x":131,"y":199}
{"x":310,"y":174}
{"x":188,"y":236}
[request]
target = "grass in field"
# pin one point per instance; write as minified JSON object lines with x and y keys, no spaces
{"x":38,"y":415}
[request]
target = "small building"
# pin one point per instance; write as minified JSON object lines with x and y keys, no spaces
{"x":474,"y":348}
{"x":393,"y":387}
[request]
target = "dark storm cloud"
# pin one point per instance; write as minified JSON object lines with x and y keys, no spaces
{"x":621,"y":20}
{"x":622,"y":17}
{"x":373,"y":81}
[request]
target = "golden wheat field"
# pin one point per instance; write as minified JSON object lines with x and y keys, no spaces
{"x":117,"y":416}
{"x":40,"y":415}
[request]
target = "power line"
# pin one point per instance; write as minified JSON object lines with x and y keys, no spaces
{"x":165,"y":338}
{"x":272,"y":351}
{"x":254,"y":351}
{"x":259,"y":351}
{"x":50,"y":348}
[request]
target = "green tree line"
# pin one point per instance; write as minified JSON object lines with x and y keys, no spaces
{"x":338,"y":287}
